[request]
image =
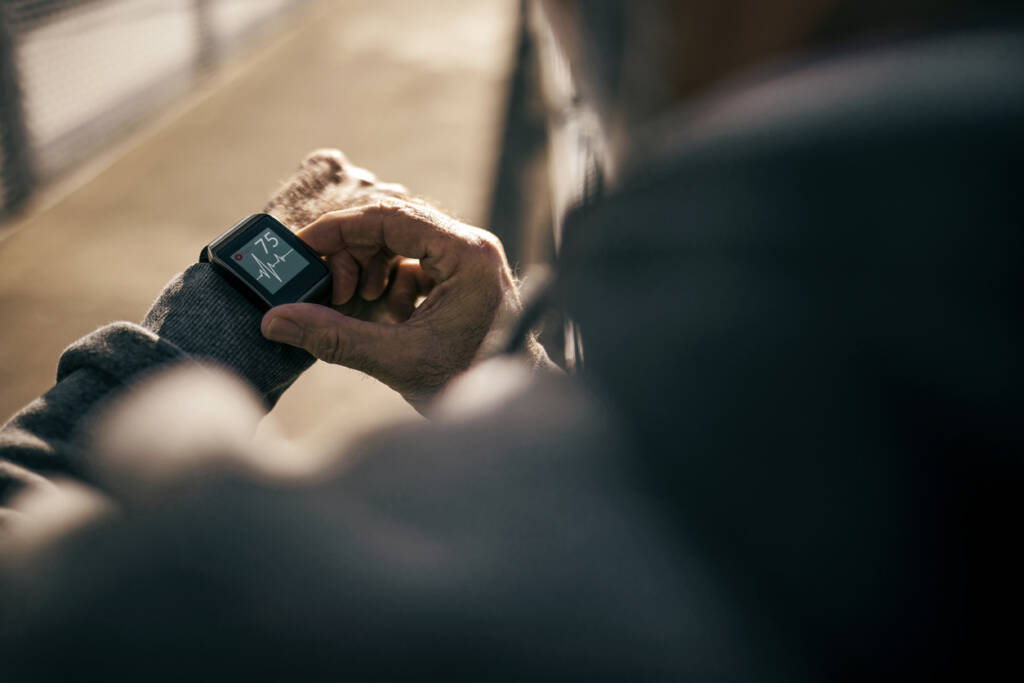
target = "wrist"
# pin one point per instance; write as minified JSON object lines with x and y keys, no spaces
{"x":200,"y":313}
{"x":538,"y":358}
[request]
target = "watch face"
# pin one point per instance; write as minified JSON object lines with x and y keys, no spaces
{"x":270,"y":260}
{"x":268,"y":263}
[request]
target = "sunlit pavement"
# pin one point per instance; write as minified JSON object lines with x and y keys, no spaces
{"x":412,"y":90}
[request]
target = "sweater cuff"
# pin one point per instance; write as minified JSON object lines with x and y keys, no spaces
{"x":209,"y":320}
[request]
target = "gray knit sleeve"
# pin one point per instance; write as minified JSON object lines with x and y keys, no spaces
{"x":197,"y":317}
{"x":207,"y":319}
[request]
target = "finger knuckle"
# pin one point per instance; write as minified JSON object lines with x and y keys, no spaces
{"x":333,"y":158}
{"x":488,"y":247}
{"x":390,"y":206}
{"x":414,"y":210}
{"x":327,"y":344}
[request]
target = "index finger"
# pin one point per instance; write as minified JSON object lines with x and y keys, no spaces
{"x":407,"y":229}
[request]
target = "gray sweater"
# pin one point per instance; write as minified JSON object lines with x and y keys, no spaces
{"x":467,"y":543}
{"x":505,"y":539}
{"x":198,"y":317}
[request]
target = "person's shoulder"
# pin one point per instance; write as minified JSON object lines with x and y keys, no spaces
{"x":914,"y":84}
{"x":501,"y":417}
{"x":531,"y":501}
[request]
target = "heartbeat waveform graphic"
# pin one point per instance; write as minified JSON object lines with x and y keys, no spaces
{"x":267,"y":270}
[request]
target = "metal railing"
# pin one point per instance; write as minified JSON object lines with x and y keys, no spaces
{"x":75,"y":74}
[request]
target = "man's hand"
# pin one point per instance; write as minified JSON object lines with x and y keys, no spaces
{"x":327,"y":181}
{"x":396,"y":252}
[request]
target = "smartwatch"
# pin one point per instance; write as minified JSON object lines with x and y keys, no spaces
{"x":267,"y":263}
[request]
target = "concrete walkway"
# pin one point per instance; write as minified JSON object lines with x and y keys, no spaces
{"x":412,"y":90}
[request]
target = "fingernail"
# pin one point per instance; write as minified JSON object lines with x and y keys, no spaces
{"x":284,"y":331}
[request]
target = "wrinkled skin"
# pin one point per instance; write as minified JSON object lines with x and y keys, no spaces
{"x":418,"y":296}
{"x":327,"y":181}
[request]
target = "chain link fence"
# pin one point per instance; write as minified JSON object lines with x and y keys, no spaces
{"x":74,"y":74}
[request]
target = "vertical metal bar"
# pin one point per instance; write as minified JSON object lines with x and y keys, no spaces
{"x":17,"y":173}
{"x":523,"y":137}
{"x":206,"y":39}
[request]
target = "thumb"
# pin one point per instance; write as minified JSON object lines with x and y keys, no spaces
{"x":329,"y":335}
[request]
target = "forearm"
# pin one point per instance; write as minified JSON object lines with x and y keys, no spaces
{"x":197,"y":317}
{"x":38,"y":441}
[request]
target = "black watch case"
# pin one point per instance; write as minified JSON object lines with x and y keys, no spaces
{"x":268,"y":264}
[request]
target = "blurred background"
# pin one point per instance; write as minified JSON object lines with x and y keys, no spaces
{"x":134,"y":131}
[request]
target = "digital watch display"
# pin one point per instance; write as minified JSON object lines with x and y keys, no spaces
{"x":267,"y":263}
